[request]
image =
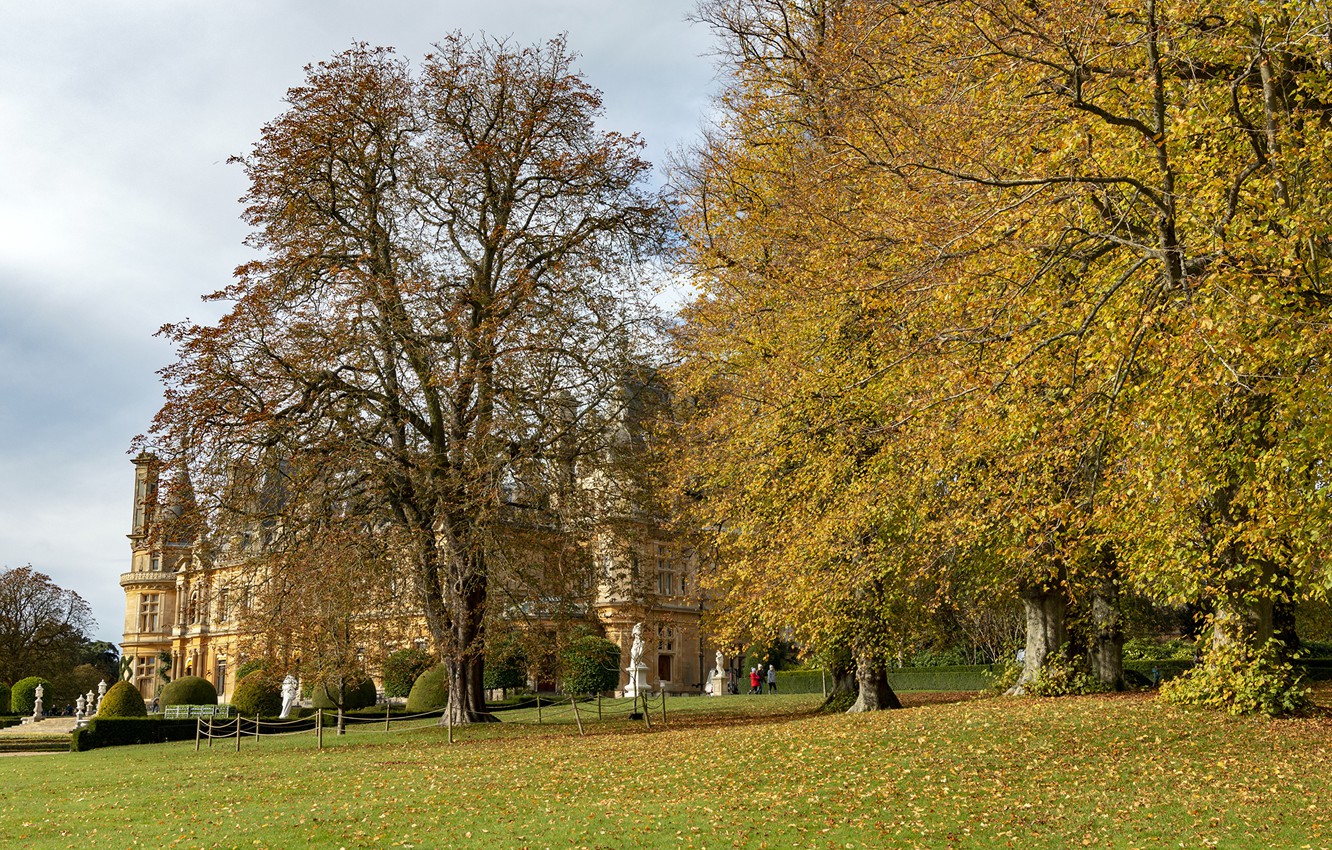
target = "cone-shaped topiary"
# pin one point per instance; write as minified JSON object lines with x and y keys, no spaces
{"x":251,"y":666}
{"x":258,"y":695}
{"x":431,"y":690}
{"x":123,"y":700}
{"x":23,"y":695}
{"x":188,"y":690}
{"x":360,"y":694}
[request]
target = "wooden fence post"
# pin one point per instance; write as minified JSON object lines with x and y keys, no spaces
{"x":198,"y":726}
{"x":238,"y":721}
{"x":319,"y":727}
{"x":574,"y":703}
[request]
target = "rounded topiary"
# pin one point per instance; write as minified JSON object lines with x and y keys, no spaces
{"x":188,"y":690}
{"x":4,"y":698}
{"x":589,"y":665}
{"x":23,"y":695}
{"x":360,"y":694}
{"x":123,"y":700}
{"x":402,"y":669}
{"x":251,"y":666}
{"x":431,"y":690}
{"x":258,"y":695}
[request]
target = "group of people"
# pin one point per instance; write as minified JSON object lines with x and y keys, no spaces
{"x":756,"y":678}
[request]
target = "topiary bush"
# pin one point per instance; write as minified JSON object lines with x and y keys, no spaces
{"x":430,"y":692}
{"x":251,"y":666}
{"x":23,"y":695}
{"x":589,"y":665}
{"x":360,"y":694}
{"x":506,"y":664}
{"x":1239,"y":680}
{"x":258,"y":695}
{"x":402,"y":670}
{"x":188,"y":690}
{"x":4,"y":698}
{"x":123,"y":700}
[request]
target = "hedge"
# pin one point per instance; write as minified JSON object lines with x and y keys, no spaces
{"x":431,"y":690}
{"x":590,"y":665}
{"x":188,"y":690}
{"x":23,"y":696}
{"x":123,"y":700}
{"x":258,"y":694}
{"x":356,"y":695}
{"x":122,"y":731}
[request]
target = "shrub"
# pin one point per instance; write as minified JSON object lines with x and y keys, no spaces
{"x":249,"y":667}
{"x":23,"y":695}
{"x":258,"y":695}
{"x":1147,"y":649}
{"x":402,"y":669}
{"x":356,"y":694}
{"x":430,"y":691}
{"x":1239,"y":680}
{"x":1063,"y":677}
{"x":506,"y":664}
{"x":4,"y":698}
{"x":123,"y":700}
{"x":188,"y":690}
{"x":589,"y":665}
{"x":118,"y":731}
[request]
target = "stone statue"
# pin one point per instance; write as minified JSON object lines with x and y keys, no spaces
{"x":636,"y":649}
{"x":720,"y":667}
{"x":290,"y":690}
{"x":101,"y":692}
{"x":82,"y":705}
{"x":717,"y":678}
{"x":37,"y":703}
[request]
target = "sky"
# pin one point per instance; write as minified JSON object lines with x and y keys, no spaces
{"x":118,"y":209}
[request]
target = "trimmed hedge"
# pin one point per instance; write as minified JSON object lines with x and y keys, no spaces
{"x":122,"y":731}
{"x":590,"y":665}
{"x":188,"y":690}
{"x":431,"y":690}
{"x":793,"y":682}
{"x":258,"y":695}
{"x":403,"y":668}
{"x":359,"y":695}
{"x":23,"y":696}
{"x":123,"y":700}
{"x":249,"y":667}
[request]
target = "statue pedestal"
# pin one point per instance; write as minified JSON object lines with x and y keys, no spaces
{"x":638,"y":683}
{"x":718,"y":684}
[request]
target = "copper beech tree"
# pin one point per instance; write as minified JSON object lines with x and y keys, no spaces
{"x":442,"y":305}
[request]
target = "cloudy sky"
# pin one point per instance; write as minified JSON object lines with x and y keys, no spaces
{"x":118,"y":209}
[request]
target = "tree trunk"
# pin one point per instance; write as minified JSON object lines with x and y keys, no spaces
{"x":1105,"y":654}
{"x":1047,"y":630}
{"x":875,"y":692}
{"x":467,"y":696}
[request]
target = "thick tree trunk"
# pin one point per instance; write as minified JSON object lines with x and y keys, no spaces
{"x":1047,"y":630}
{"x":1105,"y":654}
{"x":467,"y":695}
{"x":875,"y":692}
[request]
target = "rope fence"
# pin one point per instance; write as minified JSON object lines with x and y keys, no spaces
{"x":552,"y":711}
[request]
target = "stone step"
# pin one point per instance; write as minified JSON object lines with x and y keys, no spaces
{"x":49,"y":726}
{"x":35,"y":744}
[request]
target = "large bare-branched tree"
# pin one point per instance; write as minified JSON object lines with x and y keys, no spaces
{"x":443,"y":304}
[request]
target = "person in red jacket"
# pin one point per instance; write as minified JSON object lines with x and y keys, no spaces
{"x":754,"y":681}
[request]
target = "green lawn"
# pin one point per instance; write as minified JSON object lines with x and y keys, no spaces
{"x":1120,"y":771}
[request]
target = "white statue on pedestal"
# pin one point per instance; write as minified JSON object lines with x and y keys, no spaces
{"x":37,"y":703}
{"x":637,"y":670}
{"x":717,"y":678}
{"x":101,"y":692}
{"x":290,"y":690}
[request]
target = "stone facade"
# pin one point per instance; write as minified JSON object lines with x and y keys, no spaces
{"x":182,"y":611}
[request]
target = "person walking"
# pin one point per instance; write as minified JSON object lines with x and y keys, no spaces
{"x":772,"y":679}
{"x":754,"y":687}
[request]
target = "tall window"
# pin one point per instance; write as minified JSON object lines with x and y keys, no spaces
{"x":150,"y":612}
{"x":666,"y":578}
{"x":223,"y":605}
{"x":221,"y":683}
{"x":665,"y":653}
{"x":145,"y":672}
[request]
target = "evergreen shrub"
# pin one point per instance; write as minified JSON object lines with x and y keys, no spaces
{"x":430,"y":692}
{"x":402,"y":669}
{"x":258,"y":695}
{"x":120,"y":731}
{"x":188,"y":690}
{"x":506,"y":664}
{"x":358,"y":695}
{"x":589,"y":665}
{"x":249,"y":667}
{"x":123,"y":700}
{"x":23,"y":696}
